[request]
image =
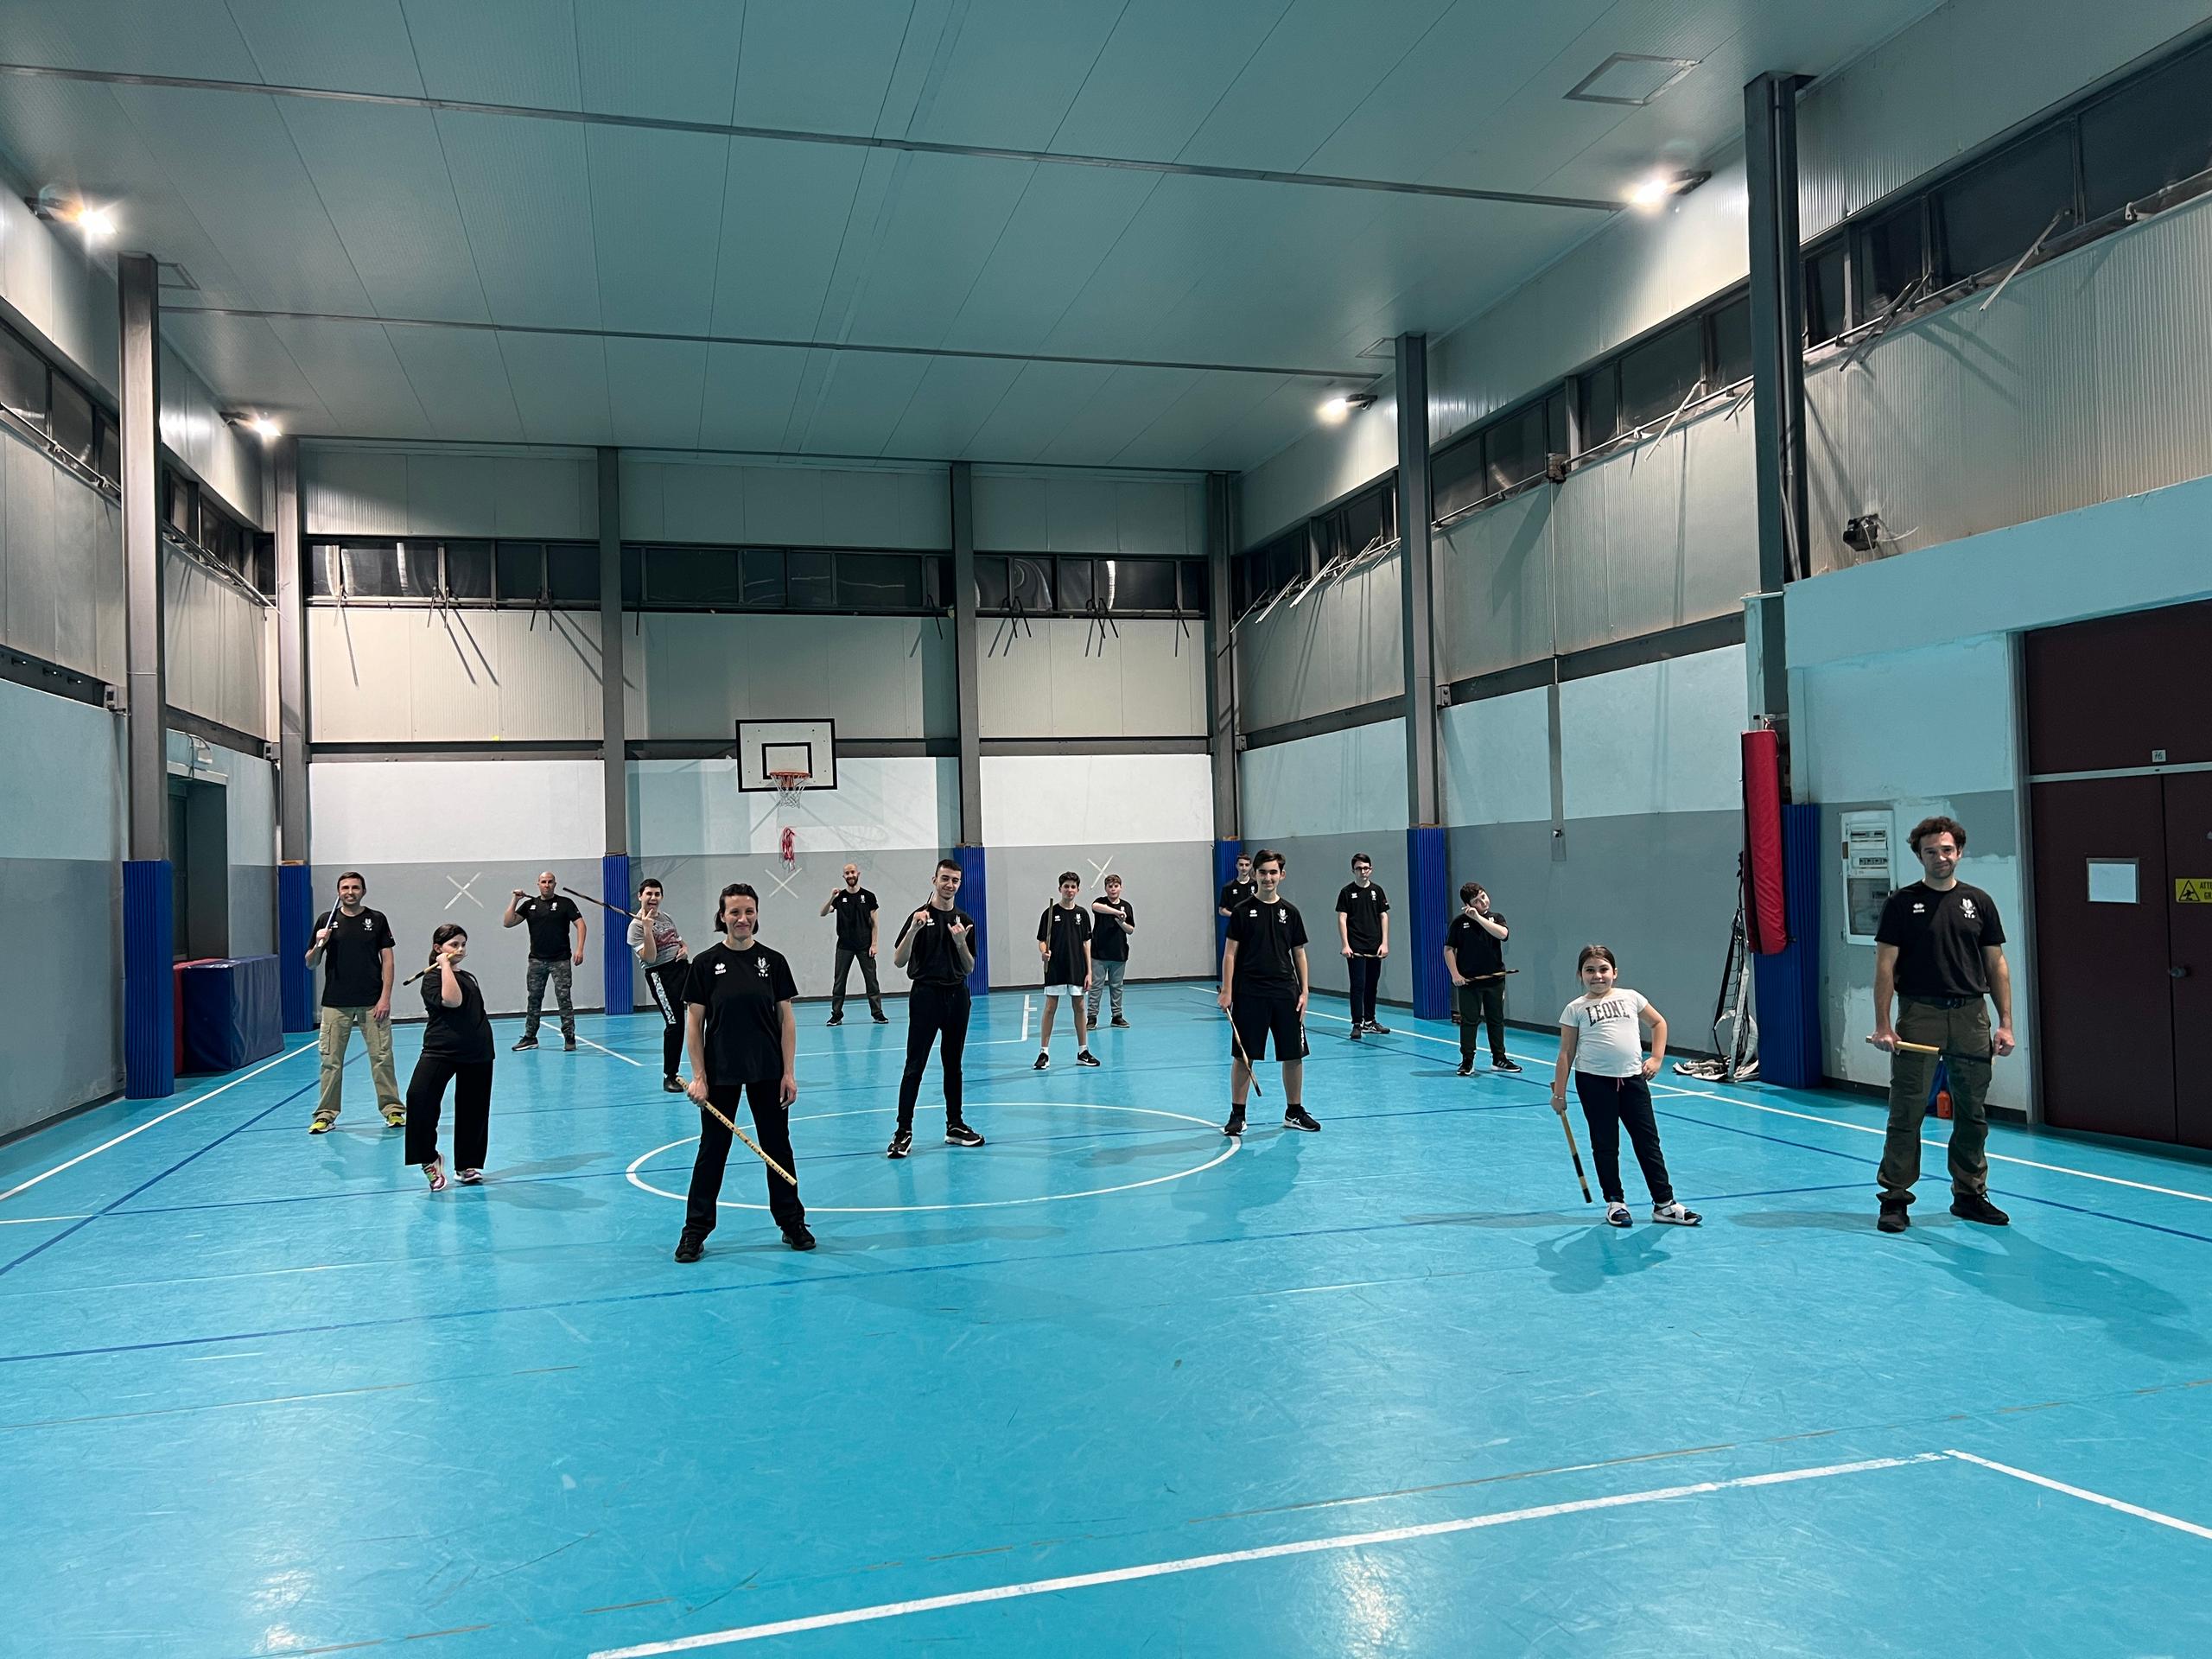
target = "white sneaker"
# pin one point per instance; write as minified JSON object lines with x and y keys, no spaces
{"x":1676,"y":1214}
{"x":1617,"y":1215}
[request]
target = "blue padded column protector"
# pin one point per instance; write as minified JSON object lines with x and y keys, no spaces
{"x":1428,"y":912}
{"x":975,"y":899}
{"x":148,"y":986}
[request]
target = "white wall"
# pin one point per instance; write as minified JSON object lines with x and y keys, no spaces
{"x":706,"y":499}
{"x":1496,"y":760}
{"x":1661,"y":737}
{"x":1057,"y":677}
{"x":1061,"y":800}
{"x":61,"y":564}
{"x":877,"y":676}
{"x":1329,"y":785}
{"x":417,"y":676}
{"x":220,"y":656}
{"x":1335,"y":647}
{"x":690,"y":807}
{"x":1020,"y":512}
{"x":378,"y":490}
{"x":441,"y":811}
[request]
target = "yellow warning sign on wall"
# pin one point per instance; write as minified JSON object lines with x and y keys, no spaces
{"x":2193,"y":890}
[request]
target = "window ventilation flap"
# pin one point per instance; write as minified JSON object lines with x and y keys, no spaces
{"x":1630,"y":78}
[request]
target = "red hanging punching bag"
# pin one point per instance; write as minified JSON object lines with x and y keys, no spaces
{"x":1765,"y":921}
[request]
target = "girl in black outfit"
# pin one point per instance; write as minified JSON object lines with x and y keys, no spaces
{"x":456,"y":1048}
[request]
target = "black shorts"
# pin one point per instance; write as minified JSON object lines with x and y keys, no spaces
{"x":1256,"y":1013}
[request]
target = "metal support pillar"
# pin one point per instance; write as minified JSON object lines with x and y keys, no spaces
{"x":618,"y":966}
{"x":966,"y":667}
{"x":148,"y":914}
{"x":295,"y":875}
{"x":1221,"y":686}
{"x":1778,"y":296}
{"x":1426,"y":855}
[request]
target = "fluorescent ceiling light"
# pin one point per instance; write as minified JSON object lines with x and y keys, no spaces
{"x":1345,"y":404}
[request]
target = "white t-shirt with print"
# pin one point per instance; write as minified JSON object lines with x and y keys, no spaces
{"x":1609,"y":1041}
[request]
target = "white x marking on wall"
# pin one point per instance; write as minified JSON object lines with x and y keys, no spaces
{"x":461,"y":891}
{"x":1098,"y":870}
{"x":783,"y":882}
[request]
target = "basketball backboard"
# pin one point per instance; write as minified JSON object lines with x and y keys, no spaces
{"x":767,"y":747}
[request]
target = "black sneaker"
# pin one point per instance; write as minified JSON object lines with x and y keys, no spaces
{"x":1466,"y":1068}
{"x":1236,"y":1124}
{"x":1504,"y":1066}
{"x":527,"y":1042}
{"x":1893,"y":1218}
{"x":1676,"y":1213}
{"x":879,"y":1016}
{"x":1358,"y":1031}
{"x":798,"y":1238}
{"x":671,"y":1085}
{"x":901,"y":1144}
{"x":1084,"y":1057}
{"x":1298,"y":1118}
{"x":835,"y":1020}
{"x":690,"y":1247}
{"x":1379,"y":1030}
{"x":1975,"y":1207}
{"x":568,"y":1044}
{"x":1043,"y":1062}
{"x":1120,"y":1024}
{"x":959,"y":1134}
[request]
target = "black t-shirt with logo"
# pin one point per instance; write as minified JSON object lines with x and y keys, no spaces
{"x":1235,"y":893}
{"x":548,"y":920}
{"x":1479,"y":954}
{"x":1266,"y":938}
{"x":852,"y":906}
{"x":1940,"y":937}
{"x":1362,"y":909}
{"x":1108,"y":940}
{"x":933,"y":961}
{"x":1063,"y":930}
{"x":739,"y":990}
{"x":463,"y":1033}
{"x":352,"y":957}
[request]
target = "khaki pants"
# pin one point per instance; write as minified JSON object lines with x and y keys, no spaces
{"x":1960,"y":1031}
{"x":338,"y":1024}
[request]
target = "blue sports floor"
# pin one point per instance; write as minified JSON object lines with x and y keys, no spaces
{"x":1107,"y":1386}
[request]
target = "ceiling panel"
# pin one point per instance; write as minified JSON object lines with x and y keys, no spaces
{"x":232,"y":161}
{"x":1013,"y":71}
{"x":381,"y":175}
{"x":657,"y":207}
{"x":653,"y":388}
{"x":357,"y":374}
{"x":560,"y":387}
{"x":178,"y":37}
{"x":862,"y":398}
{"x":1042,"y":399}
{"x":1067,"y":222}
{"x":749,"y":393}
{"x":460,"y":380}
{"x":822,"y":67}
{"x":360,"y":47}
{"x":784,"y":212}
{"x":245,"y":352}
{"x":525,"y":195}
{"x":945,"y":217}
{"x":497,"y":51}
{"x":950,"y":405}
{"x":683,"y":67}
{"x":1131,"y":400}
{"x":1161,"y":74}
{"x":1185,"y":426}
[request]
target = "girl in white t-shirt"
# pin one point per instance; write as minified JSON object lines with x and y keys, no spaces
{"x":1601,"y":1043}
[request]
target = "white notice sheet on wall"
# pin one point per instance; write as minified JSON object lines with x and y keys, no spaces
{"x":2111,"y":881}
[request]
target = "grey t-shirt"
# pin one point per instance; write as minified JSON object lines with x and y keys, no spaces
{"x":665,"y":947}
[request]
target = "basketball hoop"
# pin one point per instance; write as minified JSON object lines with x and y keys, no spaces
{"x":790,"y":785}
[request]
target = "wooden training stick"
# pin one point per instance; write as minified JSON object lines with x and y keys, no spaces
{"x":715,"y":1112}
{"x":1251,"y":1070}
{"x":1903,"y":1047}
{"x":602,"y":903}
{"x":1575,"y":1152}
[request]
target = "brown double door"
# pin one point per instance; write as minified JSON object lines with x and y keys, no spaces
{"x":2120,"y":751}
{"x":2123,"y":873}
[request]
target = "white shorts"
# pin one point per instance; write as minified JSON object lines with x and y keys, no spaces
{"x":1063,"y":990}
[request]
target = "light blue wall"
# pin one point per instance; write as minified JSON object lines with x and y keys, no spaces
{"x":60,"y":896}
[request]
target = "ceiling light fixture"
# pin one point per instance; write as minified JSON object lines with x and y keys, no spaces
{"x":96,"y":221}
{"x":1652,"y":192}
{"x":261,"y":426}
{"x":1344,"y":405}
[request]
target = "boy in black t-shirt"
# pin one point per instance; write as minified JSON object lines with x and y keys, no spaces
{"x":1064,"y":943}
{"x":743,"y":1040}
{"x":936,"y":947}
{"x":1235,"y":893}
{"x":456,"y":1049}
{"x":1113,"y":919}
{"x":856,"y":941}
{"x":1940,"y":950}
{"x":355,"y":944}
{"x":1474,"y":955}
{"x":1264,"y":985}
{"x":550,"y":914}
{"x":1364,"y":930}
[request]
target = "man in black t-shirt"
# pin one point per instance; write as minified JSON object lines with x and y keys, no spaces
{"x":1113,"y":919}
{"x":1064,"y":943}
{"x":937,"y":947}
{"x":1474,"y":954}
{"x":1264,"y":985}
{"x":355,"y":943}
{"x":1939,"y":948}
{"x":743,"y":1040}
{"x":1364,"y":931}
{"x":857,"y":936}
{"x":1237,"y":892}
{"x":550,"y":913}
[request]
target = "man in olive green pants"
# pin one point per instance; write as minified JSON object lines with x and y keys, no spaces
{"x":1939,"y":951}
{"x":356,"y":944}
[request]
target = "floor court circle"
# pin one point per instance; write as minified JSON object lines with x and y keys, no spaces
{"x":1227,"y":1152}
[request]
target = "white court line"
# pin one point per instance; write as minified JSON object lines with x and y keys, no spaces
{"x":1236,"y":1557}
{"x":604,"y":1049}
{"x":25,"y":1186}
{"x":29,"y":1221}
{"x":1025,"y":1018}
{"x":1834,"y":1122}
{"x":2140,"y":1513}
